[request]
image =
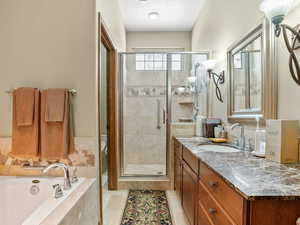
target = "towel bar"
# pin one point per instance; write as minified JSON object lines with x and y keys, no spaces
{"x":72,"y":91}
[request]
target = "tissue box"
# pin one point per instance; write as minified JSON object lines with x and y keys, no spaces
{"x":282,"y":140}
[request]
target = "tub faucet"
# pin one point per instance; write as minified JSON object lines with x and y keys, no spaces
{"x":241,"y":140}
{"x":67,"y":181}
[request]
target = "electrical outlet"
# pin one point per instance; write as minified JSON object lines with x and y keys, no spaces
{"x":297,"y":45}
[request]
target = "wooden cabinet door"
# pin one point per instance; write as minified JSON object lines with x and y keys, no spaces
{"x":189,"y":193}
{"x":178,"y":177}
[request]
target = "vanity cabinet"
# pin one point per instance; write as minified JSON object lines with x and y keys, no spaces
{"x":189,"y":193}
{"x":178,"y":177}
{"x":230,"y":202}
{"x":207,"y":199}
{"x":178,"y":169}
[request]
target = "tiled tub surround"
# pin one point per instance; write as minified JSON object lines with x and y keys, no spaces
{"x":28,"y":203}
{"x":252,"y":177}
{"x":83,"y":159}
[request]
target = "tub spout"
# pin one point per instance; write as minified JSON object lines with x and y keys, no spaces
{"x":67,"y":181}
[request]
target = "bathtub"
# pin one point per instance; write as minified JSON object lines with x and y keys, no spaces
{"x":30,"y":200}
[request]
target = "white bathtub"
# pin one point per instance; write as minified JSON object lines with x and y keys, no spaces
{"x":20,"y":204}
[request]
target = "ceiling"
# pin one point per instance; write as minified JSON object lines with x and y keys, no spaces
{"x":175,"y":15}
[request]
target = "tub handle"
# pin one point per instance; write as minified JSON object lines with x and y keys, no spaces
{"x":58,"y":191}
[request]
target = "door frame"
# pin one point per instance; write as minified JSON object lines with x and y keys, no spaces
{"x":168,"y":108}
{"x":112,"y":136}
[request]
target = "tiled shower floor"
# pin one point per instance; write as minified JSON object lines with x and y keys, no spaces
{"x":145,"y":169}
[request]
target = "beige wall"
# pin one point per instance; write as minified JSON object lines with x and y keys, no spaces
{"x":218,"y":33}
{"x":48,"y":44}
{"x":158,"y":40}
{"x":112,"y":18}
{"x":229,"y":21}
{"x":289,"y":91}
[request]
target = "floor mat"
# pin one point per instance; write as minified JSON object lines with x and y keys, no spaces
{"x":146,"y":207}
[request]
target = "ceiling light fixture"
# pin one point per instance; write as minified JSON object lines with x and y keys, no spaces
{"x":276,"y":10}
{"x":153,"y":15}
{"x":143,"y":1}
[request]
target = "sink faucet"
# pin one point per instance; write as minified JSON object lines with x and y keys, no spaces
{"x":241,"y":140}
{"x":67,"y":181}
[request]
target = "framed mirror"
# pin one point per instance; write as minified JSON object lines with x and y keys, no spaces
{"x":252,"y":83}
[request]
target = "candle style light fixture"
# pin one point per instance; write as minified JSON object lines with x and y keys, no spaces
{"x":217,"y":78}
{"x":276,"y":10}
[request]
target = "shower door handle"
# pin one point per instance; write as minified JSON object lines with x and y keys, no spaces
{"x":164,"y":116}
{"x":158,"y":114}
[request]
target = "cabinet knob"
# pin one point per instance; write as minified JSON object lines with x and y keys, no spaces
{"x":212,"y":211}
{"x":213,"y":183}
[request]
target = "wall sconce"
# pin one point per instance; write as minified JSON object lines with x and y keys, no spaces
{"x":192,"y":79}
{"x":217,"y":78}
{"x":276,"y":10}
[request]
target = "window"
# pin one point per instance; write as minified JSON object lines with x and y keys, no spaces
{"x":157,"y":62}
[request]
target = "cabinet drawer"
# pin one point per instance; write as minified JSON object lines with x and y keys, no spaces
{"x":190,"y":159}
{"x":212,"y":209}
{"x":177,"y":148}
{"x":203,"y":218}
{"x":229,"y":199}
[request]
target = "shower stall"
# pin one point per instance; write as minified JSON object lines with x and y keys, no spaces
{"x":156,"y":90}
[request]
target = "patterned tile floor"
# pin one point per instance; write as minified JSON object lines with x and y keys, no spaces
{"x":115,"y":201}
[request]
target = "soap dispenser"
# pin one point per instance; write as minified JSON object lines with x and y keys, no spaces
{"x":260,"y":138}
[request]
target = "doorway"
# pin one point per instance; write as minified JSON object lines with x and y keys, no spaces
{"x":151,"y":99}
{"x":108,"y":112}
{"x":108,"y":173}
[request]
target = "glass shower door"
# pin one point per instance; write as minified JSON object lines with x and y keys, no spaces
{"x":144,"y":114}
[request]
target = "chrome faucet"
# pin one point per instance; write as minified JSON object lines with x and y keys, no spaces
{"x":67,"y":181}
{"x":241,"y":141}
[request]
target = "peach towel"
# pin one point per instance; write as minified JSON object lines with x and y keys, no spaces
{"x":55,"y":105}
{"x":25,"y":123}
{"x":57,"y":139}
{"x":24,"y":98}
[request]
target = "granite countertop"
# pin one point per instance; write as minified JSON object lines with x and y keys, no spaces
{"x":254,"y":178}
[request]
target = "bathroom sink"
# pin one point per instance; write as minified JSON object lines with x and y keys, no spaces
{"x":217,"y":148}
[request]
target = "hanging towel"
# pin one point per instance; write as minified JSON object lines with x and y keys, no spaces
{"x":24,"y":98}
{"x":55,"y":105}
{"x":57,"y":139}
{"x":25,"y":123}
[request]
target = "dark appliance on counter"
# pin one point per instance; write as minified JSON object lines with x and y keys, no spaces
{"x":209,"y":127}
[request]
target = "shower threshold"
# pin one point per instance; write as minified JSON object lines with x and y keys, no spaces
{"x":145,"y":170}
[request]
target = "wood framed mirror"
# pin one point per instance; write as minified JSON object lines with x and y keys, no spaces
{"x":252,"y":75}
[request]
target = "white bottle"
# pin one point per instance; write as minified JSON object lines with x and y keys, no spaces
{"x":199,"y":125}
{"x":260,"y":138}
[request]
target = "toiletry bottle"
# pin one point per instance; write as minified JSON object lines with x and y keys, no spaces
{"x":199,"y":125}
{"x":260,"y":137}
{"x":223,"y":133}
